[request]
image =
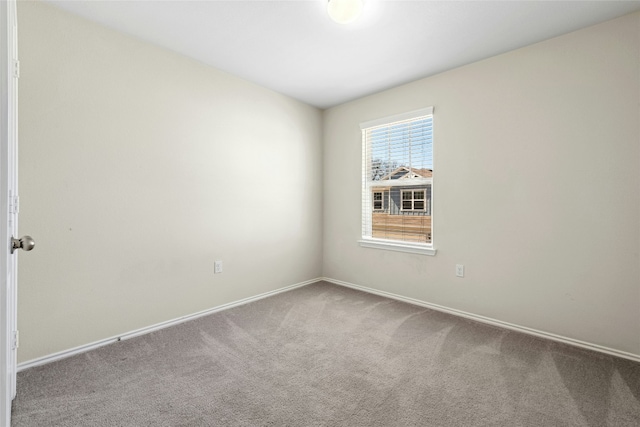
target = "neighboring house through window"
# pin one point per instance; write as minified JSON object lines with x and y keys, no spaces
{"x":398,"y":182}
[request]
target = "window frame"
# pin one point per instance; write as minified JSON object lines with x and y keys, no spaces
{"x":373,"y":200}
{"x":366,"y":239}
{"x":413,"y":199}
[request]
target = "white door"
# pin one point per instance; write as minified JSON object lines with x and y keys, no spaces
{"x":8,"y":205}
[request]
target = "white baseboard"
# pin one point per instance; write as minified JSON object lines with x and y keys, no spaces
{"x":97,"y":344}
{"x":142,"y":331}
{"x":490,"y":321}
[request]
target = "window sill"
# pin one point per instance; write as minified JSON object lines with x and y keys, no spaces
{"x":393,"y":245}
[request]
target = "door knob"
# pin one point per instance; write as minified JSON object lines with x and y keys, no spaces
{"x":26,"y":243}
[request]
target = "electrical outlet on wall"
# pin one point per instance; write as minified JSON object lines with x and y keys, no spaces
{"x":459,"y":270}
{"x":217,"y":267}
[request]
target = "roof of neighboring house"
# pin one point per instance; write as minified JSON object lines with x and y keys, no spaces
{"x":403,"y":173}
{"x":425,"y":173}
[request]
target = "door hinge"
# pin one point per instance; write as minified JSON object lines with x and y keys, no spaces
{"x":16,"y":69}
{"x":15,"y":341}
{"x":14,"y":204}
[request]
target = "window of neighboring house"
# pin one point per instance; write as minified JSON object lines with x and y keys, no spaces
{"x":377,"y":200}
{"x":414,"y":200}
{"x":397,"y":182}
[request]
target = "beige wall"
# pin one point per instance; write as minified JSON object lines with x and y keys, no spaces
{"x":536,"y":188}
{"x":139,"y":168}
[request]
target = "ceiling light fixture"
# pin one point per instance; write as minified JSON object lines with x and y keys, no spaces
{"x":344,"y":11}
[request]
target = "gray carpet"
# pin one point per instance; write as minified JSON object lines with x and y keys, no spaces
{"x":323,"y":355}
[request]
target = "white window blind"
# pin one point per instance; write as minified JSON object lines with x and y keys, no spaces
{"x":397,"y":177}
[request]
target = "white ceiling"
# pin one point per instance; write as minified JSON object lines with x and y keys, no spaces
{"x":294,"y":48}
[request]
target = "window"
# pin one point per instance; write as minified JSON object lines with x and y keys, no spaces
{"x":397,"y":181}
{"x":377,"y":200}
{"x":414,"y":200}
